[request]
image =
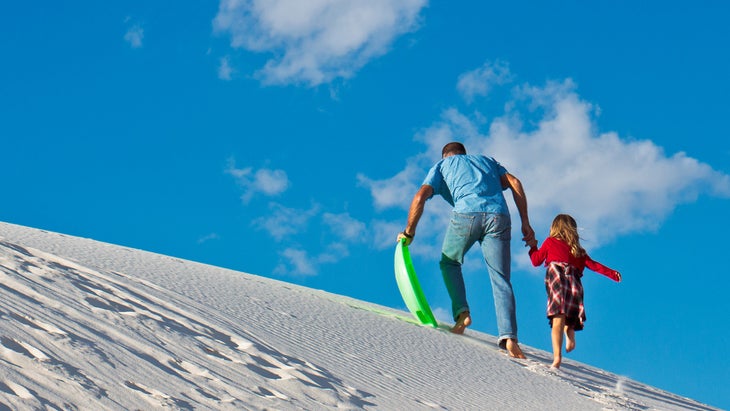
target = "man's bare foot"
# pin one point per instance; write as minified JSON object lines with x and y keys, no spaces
{"x":462,"y":321}
{"x":569,"y":339}
{"x":513,"y":349}
{"x":556,"y":362}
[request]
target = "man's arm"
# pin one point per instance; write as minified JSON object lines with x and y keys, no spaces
{"x":415,"y":212}
{"x":518,"y":193}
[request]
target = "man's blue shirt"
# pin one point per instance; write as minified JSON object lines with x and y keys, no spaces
{"x":470,"y":183}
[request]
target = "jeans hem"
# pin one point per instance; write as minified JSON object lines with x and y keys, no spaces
{"x":502,"y":342}
{"x":458,"y":312}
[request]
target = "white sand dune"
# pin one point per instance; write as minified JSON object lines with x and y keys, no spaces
{"x":92,"y":326}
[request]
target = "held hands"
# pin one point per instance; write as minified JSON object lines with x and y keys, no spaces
{"x":528,"y":236}
{"x":616,"y":276}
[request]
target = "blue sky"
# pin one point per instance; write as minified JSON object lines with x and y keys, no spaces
{"x":286,"y":139}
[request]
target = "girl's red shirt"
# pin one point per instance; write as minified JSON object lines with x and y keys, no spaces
{"x":557,"y":250}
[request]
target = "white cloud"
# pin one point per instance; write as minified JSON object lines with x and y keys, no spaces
{"x":479,"y":82}
{"x":345,"y":227}
{"x":384,"y":232}
{"x":134,"y":36}
{"x":208,"y":237}
{"x":224,"y":69}
{"x":335,"y":252}
{"x":271,"y":182}
{"x":549,"y":139}
{"x":295,"y":261}
{"x":443,"y":314}
{"x":395,"y":191}
{"x":288,"y":224}
{"x":284,"y":221}
{"x":262,"y":181}
{"x":315,"y":41}
{"x":612,"y":186}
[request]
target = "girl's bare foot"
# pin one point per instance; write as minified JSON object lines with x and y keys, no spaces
{"x":556,"y":334}
{"x":569,"y":339}
{"x":462,"y":321}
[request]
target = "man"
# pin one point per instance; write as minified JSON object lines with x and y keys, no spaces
{"x":473,"y":185}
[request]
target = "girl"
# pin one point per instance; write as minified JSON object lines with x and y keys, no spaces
{"x":565,"y":260}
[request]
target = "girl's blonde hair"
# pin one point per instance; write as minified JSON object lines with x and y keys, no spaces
{"x":565,"y":228}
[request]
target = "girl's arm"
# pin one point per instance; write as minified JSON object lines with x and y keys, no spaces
{"x":538,"y":255}
{"x":602,"y":269}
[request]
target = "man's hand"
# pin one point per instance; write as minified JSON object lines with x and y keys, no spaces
{"x":408,"y":237}
{"x":528,"y":235}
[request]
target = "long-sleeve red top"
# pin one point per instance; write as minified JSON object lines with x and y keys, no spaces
{"x":556,"y":250}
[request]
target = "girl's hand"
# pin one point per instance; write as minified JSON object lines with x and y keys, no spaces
{"x":617,"y":276}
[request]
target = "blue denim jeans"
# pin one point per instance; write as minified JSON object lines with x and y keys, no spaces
{"x":493,"y":232}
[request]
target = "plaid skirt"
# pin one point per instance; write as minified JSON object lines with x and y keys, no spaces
{"x":565,"y":294}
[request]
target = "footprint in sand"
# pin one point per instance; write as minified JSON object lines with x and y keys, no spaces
{"x":158,"y":398}
{"x":16,"y":389}
{"x":23,"y":348}
{"x":38,"y":325}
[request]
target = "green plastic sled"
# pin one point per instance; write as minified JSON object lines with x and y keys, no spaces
{"x":410,"y":288}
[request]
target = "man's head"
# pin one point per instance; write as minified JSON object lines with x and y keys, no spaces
{"x":452,"y":149}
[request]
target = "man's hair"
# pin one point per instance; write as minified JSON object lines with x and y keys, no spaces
{"x":453,"y":148}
